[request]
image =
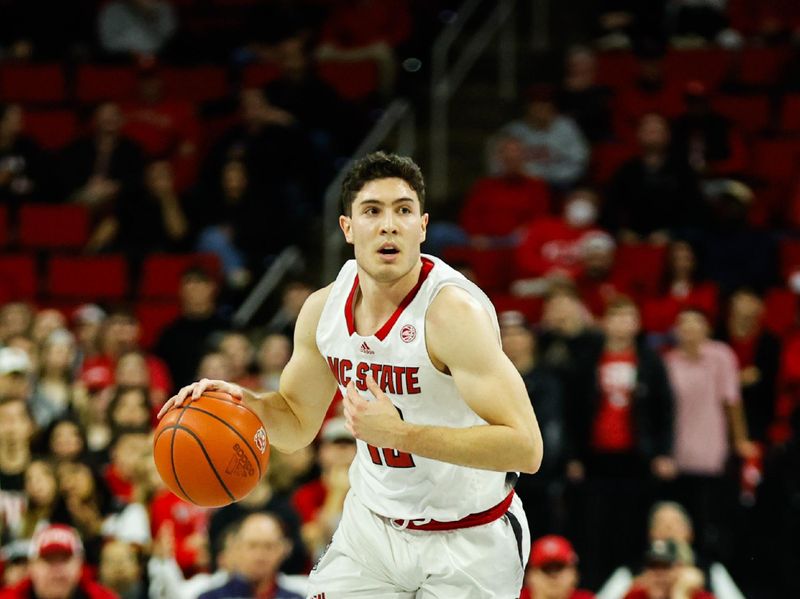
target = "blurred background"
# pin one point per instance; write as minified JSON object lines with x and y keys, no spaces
{"x":621,"y":177}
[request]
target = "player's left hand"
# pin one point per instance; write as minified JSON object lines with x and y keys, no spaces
{"x":376,"y":422}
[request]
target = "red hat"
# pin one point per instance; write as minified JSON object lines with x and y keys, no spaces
{"x":55,"y":538}
{"x":552,"y":549}
{"x":96,"y":377}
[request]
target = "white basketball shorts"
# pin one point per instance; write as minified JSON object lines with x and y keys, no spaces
{"x":369,"y":557}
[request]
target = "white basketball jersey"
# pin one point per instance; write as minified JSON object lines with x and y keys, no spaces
{"x":391,"y":483}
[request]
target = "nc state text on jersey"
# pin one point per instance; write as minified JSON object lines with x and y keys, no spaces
{"x":399,"y":380}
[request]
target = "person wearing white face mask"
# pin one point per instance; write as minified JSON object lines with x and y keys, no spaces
{"x":551,"y":246}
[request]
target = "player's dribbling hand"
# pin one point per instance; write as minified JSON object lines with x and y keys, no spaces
{"x":195,"y":390}
{"x":375,"y":422}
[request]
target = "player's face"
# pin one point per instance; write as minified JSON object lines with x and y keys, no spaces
{"x":386,"y":228}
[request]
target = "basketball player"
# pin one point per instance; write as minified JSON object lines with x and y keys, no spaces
{"x":441,"y":416}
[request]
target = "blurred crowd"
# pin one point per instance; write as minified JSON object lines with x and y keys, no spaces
{"x":636,"y":228}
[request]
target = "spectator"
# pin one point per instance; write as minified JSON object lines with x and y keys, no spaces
{"x":623,"y":436}
{"x":135,"y":28}
{"x":367,"y":30}
{"x":182,"y":343}
{"x":497,"y":207}
{"x":16,"y":374}
{"x":669,"y":521}
{"x":16,"y":431}
{"x":555,"y":149}
{"x":101,"y":169}
{"x":668,"y":575}
{"x":695,"y":22}
{"x":541,"y":494}
{"x":120,"y":570}
{"x":551,"y":245}
{"x":166,"y":128}
{"x":273,"y":355}
{"x":681,"y":285}
{"x":707,"y":141}
{"x":293,"y":296}
{"x":56,"y":569}
{"x":263,"y":499}
{"x":23,"y":169}
{"x":320,"y":501}
{"x":54,"y":388}
{"x":213,"y":365}
{"x":582,"y":98}
{"x":85,"y":503}
{"x":130,"y":407}
{"x":705,"y":380}
{"x":66,"y":441}
{"x":41,"y":494}
{"x":241,"y":355}
{"x":15,"y":563}
{"x":126,"y":447}
{"x":598,"y":281}
{"x":262,"y":547}
{"x":87,"y":322}
{"x":119,"y":344}
{"x":758,"y":353}
{"x":553,"y":571}
{"x":155,"y":221}
{"x":16,"y":318}
{"x":654,"y":195}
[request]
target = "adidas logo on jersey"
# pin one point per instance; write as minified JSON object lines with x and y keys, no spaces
{"x":366,"y":350}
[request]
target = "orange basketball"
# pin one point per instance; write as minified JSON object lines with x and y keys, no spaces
{"x":211,"y":451}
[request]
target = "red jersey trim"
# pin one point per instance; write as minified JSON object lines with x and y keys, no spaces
{"x":383,"y":332}
{"x":477,"y":519}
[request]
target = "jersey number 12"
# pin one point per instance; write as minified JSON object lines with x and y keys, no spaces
{"x":390,"y":457}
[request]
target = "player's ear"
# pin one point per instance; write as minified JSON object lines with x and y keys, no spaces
{"x":424,"y":226}
{"x":345,"y":224}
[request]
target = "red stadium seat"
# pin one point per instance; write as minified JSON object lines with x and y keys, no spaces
{"x":352,"y":80}
{"x":642,"y":266}
{"x":790,"y":256}
{"x":776,"y":160}
{"x":153,"y":316}
{"x":790,"y":113}
{"x":616,"y":69}
{"x":259,"y":74}
{"x":18,"y":278}
{"x":89,"y":278}
{"x":196,"y":84}
{"x":607,"y":157}
{"x":49,"y":226}
{"x":161,"y":273}
{"x":531,"y":307}
{"x":38,"y":83}
{"x":708,"y":65}
{"x":52,"y":129}
{"x":761,"y":66}
{"x":780,"y":310}
{"x":751,"y":113}
{"x":105,"y":83}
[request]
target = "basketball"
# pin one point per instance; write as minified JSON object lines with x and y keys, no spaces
{"x":211,"y":451}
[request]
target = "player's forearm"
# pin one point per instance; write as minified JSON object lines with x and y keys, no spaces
{"x":285,"y":430}
{"x":489,"y":447}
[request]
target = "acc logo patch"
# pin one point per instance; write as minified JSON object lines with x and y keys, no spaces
{"x":260,"y":439}
{"x":408,"y":333}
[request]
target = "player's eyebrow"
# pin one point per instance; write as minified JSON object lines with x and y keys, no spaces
{"x":378,"y":202}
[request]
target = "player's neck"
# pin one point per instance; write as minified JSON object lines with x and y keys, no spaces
{"x":378,"y":299}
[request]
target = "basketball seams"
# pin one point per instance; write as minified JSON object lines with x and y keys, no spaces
{"x":232,"y":428}
{"x":208,"y":458}
{"x":172,"y":456}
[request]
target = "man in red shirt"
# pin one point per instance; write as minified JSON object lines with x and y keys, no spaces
{"x":56,"y":569}
{"x":553,"y":571}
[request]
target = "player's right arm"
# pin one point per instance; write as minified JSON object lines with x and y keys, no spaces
{"x":293,"y":414}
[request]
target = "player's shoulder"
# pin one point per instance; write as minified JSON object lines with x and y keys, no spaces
{"x":454,"y":305}
{"x":311,"y":311}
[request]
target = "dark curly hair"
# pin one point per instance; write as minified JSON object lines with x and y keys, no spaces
{"x":381,"y":165}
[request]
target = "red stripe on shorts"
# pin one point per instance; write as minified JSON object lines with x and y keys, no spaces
{"x":477,"y":519}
